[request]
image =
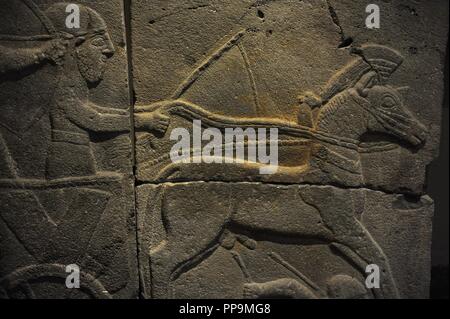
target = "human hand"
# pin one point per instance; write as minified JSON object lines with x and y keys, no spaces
{"x":152,"y":121}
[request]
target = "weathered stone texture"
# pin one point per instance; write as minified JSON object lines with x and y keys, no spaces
{"x":358,"y":115}
{"x":261,"y":233}
{"x":66,"y":184}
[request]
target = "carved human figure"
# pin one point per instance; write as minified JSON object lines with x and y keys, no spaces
{"x":72,"y":115}
{"x":15,"y":61}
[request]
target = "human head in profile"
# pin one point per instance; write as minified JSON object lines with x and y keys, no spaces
{"x":72,"y":115}
{"x":90,"y":44}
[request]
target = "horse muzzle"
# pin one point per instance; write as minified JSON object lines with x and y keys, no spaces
{"x":418,"y":134}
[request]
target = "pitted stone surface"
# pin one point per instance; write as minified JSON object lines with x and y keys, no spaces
{"x":66,"y":183}
{"x":87,"y":178}
{"x":354,"y":143}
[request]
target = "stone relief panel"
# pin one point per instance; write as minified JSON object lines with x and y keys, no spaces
{"x":66,"y":182}
{"x":272,"y":241}
{"x":89,"y":122}
{"x":353,"y":142}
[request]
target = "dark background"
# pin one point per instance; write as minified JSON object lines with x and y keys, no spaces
{"x":438,"y":189}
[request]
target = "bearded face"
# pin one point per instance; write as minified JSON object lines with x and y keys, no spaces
{"x":92,"y":56}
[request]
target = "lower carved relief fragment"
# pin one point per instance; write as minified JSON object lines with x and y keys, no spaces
{"x":266,"y":241}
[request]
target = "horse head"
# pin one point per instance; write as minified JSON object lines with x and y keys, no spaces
{"x":385,"y":111}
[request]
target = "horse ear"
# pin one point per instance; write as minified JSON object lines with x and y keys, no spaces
{"x":310,"y":98}
{"x":367,"y":81}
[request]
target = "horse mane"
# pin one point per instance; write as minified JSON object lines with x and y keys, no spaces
{"x":372,"y":57}
{"x":329,"y":110}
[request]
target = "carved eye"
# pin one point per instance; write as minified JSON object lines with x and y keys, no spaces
{"x":388,"y":102}
{"x":98,"y":42}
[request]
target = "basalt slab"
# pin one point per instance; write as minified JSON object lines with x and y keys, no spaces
{"x":66,"y":183}
{"x":91,"y":116}
{"x":348,"y":101}
{"x":358,"y":117}
{"x":250,"y":240}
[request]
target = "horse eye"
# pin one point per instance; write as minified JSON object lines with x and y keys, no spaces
{"x":388,"y":102}
{"x":98,"y":42}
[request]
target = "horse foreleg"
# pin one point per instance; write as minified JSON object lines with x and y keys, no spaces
{"x":193,"y":228}
{"x":339,"y":216}
{"x":362,"y":249}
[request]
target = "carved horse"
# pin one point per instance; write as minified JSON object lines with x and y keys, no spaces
{"x":351,"y":107}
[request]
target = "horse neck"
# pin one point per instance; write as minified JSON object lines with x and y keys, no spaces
{"x":341,"y":161}
{"x":343,"y":117}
